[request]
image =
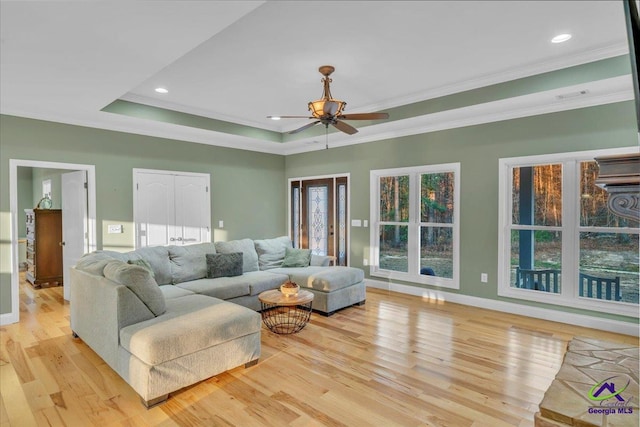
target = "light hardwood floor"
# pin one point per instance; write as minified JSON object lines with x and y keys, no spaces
{"x":397,"y":361}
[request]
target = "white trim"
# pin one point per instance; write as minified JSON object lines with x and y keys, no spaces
{"x":568,"y":297}
{"x":412,"y":275}
{"x":615,"y":326}
{"x":14,"y":315}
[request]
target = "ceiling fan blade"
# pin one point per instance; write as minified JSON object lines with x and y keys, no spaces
{"x":330,"y":107}
{"x":307,"y":126}
{"x":342,"y":126}
{"x":364,"y":116}
{"x":289,"y":117}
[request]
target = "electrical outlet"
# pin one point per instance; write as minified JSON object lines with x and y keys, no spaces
{"x":484,"y":277}
{"x":365,"y":223}
{"x":220,"y":224}
{"x":114,"y":228}
{"x":365,"y":262}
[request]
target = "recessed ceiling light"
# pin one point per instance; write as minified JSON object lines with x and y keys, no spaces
{"x":560,"y":38}
{"x":275,"y":118}
{"x":161,"y":90}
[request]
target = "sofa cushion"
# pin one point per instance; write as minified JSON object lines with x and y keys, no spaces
{"x":171,"y":291}
{"x":260,"y":281}
{"x":296,"y":258}
{"x":224,"y":265}
{"x":271,"y":252}
{"x":141,"y":263}
{"x":221,"y":287}
{"x":139,"y":280}
{"x":158,"y":259}
{"x":245,"y":246}
{"x":188,"y":262}
{"x":94,"y":262}
{"x":326,"y":279}
{"x":190,"y":324}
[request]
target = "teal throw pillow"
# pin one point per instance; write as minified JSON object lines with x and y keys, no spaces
{"x":224,"y":265}
{"x":297,"y":258}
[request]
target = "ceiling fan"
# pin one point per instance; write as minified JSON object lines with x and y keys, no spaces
{"x":329,"y":111}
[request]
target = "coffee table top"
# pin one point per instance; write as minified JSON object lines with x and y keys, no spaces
{"x":276,"y":297}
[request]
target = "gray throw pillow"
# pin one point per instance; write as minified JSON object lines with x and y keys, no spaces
{"x":224,"y":265}
{"x":140,"y":282}
{"x":297,"y":258}
{"x":141,"y":263}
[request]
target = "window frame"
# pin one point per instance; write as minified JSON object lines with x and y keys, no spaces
{"x":414,"y":224}
{"x":570,"y":229}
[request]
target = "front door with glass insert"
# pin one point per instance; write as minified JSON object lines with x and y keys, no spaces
{"x":319,"y":216}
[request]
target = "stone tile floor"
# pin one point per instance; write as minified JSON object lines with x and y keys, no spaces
{"x":597,"y":385}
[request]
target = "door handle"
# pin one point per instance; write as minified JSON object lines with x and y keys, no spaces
{"x":172,"y":239}
{"x":61,"y":243}
{"x":179,"y":239}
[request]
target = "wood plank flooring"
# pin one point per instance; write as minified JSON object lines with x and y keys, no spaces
{"x":396,"y":361}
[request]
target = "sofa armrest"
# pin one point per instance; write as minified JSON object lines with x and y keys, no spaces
{"x":99,"y":308}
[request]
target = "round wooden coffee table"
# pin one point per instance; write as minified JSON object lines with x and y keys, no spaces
{"x":285,"y":314}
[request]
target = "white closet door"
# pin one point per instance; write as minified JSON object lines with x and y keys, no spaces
{"x":193,"y":217}
{"x":154,"y":209}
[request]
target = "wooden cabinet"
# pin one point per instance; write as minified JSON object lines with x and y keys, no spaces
{"x":44,"y":247}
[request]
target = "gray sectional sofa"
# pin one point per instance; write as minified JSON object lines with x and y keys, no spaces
{"x":167,"y":317}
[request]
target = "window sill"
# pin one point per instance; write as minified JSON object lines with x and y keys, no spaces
{"x":603,"y":306}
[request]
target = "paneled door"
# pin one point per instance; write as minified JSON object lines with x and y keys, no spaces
{"x":171,"y":208}
{"x":319,"y":215}
{"x":75,"y":224}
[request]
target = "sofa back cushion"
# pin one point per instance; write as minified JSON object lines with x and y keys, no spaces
{"x":246,"y":246}
{"x":189,"y":262}
{"x":158,"y":258}
{"x":271,"y":252}
{"x":94,"y":262}
{"x":139,"y":280}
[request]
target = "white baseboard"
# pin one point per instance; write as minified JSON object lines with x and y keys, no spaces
{"x":627,"y":328}
{"x":8,"y":318}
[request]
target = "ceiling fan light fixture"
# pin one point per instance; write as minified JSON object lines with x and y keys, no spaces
{"x":317,"y":107}
{"x":161,"y":90}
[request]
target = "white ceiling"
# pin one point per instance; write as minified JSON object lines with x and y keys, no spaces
{"x":241,"y":61}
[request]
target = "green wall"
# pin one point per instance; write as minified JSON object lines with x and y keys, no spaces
{"x":478,"y":149}
{"x":246,"y":187}
{"x":25,"y":197}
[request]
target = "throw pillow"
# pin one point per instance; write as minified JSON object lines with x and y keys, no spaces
{"x":297,"y":258}
{"x":141,"y":263}
{"x":139,"y":281}
{"x":271,"y":252}
{"x":224,"y":265}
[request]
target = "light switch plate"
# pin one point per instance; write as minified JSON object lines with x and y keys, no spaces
{"x":220,"y":224}
{"x":356,"y":223}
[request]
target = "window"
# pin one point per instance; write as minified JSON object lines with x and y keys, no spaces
{"x":414,"y":230}
{"x":559,"y":243}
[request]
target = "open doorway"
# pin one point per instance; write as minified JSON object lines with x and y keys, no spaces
{"x":80,"y":227}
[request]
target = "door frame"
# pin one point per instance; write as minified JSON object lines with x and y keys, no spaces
{"x":14,"y":315}
{"x":348,"y":201}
